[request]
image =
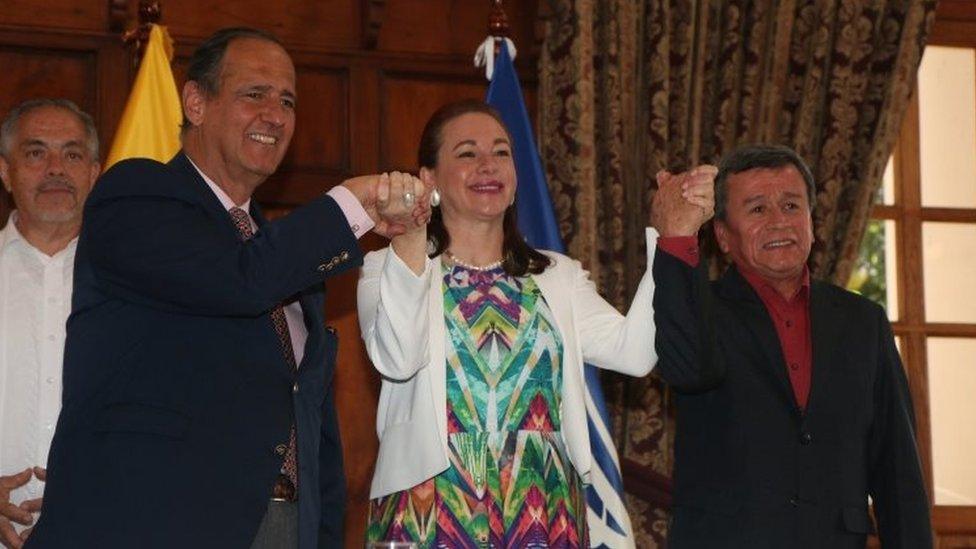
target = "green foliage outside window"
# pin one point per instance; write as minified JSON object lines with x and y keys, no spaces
{"x":868,"y":276}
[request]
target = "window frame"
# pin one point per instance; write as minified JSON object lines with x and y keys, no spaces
{"x":911,"y":327}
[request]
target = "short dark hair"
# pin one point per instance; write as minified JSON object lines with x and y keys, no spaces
{"x":12,"y":120}
{"x":750,"y":157}
{"x":207,"y":61}
{"x":518,"y":257}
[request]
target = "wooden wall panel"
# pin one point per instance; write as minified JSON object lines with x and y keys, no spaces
{"x":453,"y":27}
{"x":955,"y":10}
{"x":406,"y":101}
{"x":321,"y":141}
{"x":28,"y":72}
{"x":318,"y":24}
{"x":449,"y":26}
{"x":955,"y":24}
{"x":90,"y":15}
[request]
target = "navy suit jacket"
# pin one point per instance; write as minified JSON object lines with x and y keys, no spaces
{"x":751,"y":470}
{"x":176,"y":393}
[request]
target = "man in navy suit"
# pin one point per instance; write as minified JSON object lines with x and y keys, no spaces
{"x":792,"y":405}
{"x":198,"y":406}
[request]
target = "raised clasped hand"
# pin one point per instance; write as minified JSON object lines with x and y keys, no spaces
{"x":684,"y":202}
{"x":402,"y":202}
{"x":385,"y":197}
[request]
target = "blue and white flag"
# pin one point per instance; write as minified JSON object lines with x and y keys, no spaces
{"x":607,"y":517}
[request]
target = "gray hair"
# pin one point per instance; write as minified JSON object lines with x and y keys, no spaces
{"x":750,"y":157}
{"x":9,"y":126}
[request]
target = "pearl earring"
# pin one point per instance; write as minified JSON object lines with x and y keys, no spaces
{"x":435,"y":198}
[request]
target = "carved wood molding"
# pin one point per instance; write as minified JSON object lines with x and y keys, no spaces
{"x":955,"y":10}
{"x":497,"y":20}
{"x":118,"y":12}
{"x":372,"y":22}
{"x":150,"y":12}
{"x":497,"y":23}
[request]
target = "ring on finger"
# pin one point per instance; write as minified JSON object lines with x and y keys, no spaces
{"x":408,"y":198}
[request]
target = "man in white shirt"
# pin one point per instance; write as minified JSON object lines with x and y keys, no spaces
{"x":48,"y":162}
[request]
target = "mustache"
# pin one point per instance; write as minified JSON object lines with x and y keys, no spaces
{"x":56,"y":184}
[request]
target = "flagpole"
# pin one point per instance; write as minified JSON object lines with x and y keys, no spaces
{"x":606,"y":513}
{"x":150,"y":12}
{"x":497,"y":22}
{"x":150,"y":123}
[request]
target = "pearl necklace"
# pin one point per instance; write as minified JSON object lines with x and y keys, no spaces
{"x":486,"y":267}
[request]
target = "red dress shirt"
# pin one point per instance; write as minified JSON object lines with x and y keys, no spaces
{"x":791,"y":317}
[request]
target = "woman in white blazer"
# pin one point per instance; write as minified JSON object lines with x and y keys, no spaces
{"x":481,"y":342}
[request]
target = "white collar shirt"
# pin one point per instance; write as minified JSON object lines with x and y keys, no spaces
{"x":35,"y":300}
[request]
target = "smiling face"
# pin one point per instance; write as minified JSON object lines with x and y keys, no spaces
{"x":244,"y":129}
{"x":475,"y":172}
{"x":49,"y":168}
{"x":767,"y":227}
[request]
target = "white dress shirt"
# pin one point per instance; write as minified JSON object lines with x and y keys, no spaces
{"x":35,"y":300}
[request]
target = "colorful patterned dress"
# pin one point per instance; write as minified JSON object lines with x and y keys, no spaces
{"x":510,"y":482}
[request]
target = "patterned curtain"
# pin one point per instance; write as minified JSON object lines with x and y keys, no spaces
{"x":629,"y":87}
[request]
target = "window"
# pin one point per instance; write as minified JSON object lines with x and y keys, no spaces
{"x":918,"y":258}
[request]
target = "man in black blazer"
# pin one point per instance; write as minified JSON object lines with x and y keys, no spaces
{"x":198,"y":406}
{"x":792,"y":404}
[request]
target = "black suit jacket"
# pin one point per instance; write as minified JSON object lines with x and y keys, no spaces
{"x":176,"y":393}
{"x":751,"y":470}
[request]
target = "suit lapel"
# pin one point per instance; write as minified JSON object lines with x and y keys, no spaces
{"x":756,"y":320}
{"x":826,"y":328}
{"x":206,"y":196}
{"x":182,"y":163}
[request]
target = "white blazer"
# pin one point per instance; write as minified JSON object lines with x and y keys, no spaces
{"x":401,"y":316}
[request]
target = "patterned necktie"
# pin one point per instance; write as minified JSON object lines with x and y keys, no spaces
{"x":289,"y":468}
